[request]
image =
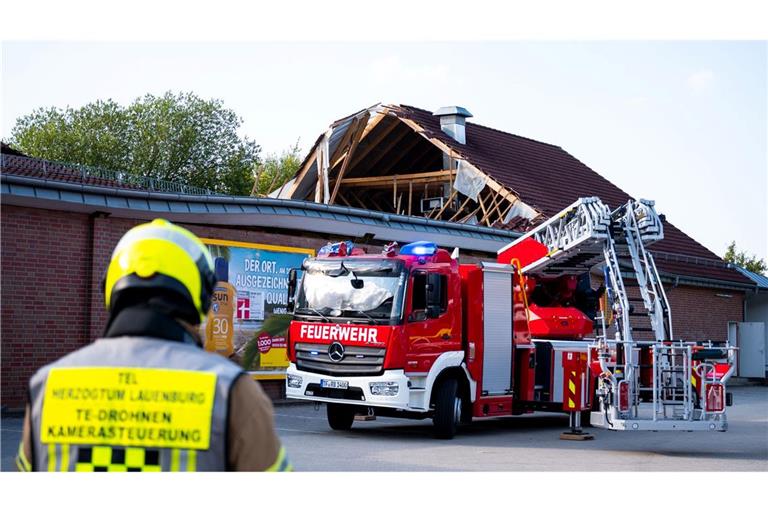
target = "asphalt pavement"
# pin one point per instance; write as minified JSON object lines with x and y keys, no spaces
{"x":525,"y":443}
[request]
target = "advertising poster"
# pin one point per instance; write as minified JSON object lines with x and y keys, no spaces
{"x":248,"y":321}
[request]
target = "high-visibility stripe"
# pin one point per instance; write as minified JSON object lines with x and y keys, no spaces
{"x":281,"y":462}
{"x":21,"y":460}
{"x":285,"y":466}
{"x":572,"y":386}
{"x":571,"y":403}
{"x":51,"y":457}
{"x":165,"y":233}
{"x":64,"y":457}
{"x":175,"y":454}
{"x":191,"y":460}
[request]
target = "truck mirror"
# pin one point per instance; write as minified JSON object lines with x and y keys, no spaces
{"x":291,"y":289}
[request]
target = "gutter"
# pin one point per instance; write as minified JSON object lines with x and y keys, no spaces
{"x":241,"y":211}
{"x":679,"y":279}
{"x":258,"y":201}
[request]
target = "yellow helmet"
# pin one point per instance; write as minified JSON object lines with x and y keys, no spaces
{"x":160,"y":257}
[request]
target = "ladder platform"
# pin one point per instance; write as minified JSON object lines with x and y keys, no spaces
{"x":597,"y":419}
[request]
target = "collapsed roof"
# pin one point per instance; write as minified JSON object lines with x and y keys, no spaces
{"x":406,"y":160}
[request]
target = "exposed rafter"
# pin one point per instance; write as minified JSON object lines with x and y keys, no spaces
{"x":388,"y":181}
{"x":380,"y":151}
{"x":355,"y":135}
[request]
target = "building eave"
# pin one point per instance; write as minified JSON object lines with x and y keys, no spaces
{"x":237,"y":211}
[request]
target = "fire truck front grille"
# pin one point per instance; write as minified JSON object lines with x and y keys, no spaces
{"x":313,"y":357}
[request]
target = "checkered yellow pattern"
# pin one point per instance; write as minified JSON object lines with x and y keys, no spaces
{"x":114,"y":458}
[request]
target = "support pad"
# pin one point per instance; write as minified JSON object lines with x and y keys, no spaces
{"x":576,"y":436}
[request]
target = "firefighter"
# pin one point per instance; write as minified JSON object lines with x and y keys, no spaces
{"x":588,"y":299}
{"x":146,"y":396}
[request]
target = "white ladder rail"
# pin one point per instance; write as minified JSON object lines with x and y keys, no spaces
{"x":620,"y":305}
{"x":582,"y":226}
{"x":651,"y":289}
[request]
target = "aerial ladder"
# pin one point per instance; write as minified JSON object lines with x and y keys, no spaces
{"x":642,"y":384}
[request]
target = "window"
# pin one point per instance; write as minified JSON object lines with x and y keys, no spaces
{"x":422,"y":296}
{"x":443,"y":293}
{"x":419,"y":301}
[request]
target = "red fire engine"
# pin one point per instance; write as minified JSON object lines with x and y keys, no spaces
{"x":412,"y":333}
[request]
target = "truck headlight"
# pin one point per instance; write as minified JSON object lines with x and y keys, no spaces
{"x":294,"y":381}
{"x":384,"y":388}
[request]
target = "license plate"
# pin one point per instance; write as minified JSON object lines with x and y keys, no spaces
{"x":334,"y":384}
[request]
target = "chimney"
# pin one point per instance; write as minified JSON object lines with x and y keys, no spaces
{"x":453,"y":121}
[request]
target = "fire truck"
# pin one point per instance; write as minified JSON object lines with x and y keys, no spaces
{"x":412,"y":333}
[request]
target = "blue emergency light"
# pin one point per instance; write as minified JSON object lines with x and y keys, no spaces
{"x":421,"y":248}
{"x":337,"y":249}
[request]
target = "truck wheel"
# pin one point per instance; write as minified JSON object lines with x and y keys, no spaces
{"x":447,"y":409}
{"x":466,"y":413}
{"x":340,"y":416}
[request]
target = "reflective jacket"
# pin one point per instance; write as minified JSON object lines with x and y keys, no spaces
{"x":132,"y":404}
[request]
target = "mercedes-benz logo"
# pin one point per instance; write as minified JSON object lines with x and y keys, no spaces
{"x":336,"y":351}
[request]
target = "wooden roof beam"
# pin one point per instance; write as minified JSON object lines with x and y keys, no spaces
{"x":303,"y":172}
{"x":416,"y":178}
{"x":355,"y":140}
{"x":373,"y":139}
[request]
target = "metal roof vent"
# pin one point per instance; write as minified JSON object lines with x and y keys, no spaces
{"x":452,"y":122}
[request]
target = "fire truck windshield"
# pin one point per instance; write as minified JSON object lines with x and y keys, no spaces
{"x":359,"y":288}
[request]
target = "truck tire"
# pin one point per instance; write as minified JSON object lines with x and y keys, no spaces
{"x":340,"y":416}
{"x":447,"y":409}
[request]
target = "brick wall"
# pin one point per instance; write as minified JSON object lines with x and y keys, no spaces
{"x":697,"y":313}
{"x":45,"y":268}
{"x":704,"y":313}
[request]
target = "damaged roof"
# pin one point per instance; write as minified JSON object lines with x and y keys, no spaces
{"x":548,"y":178}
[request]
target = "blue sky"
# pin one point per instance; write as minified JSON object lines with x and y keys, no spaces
{"x":681,"y":123}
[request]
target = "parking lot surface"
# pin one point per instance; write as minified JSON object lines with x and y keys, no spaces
{"x":525,"y":443}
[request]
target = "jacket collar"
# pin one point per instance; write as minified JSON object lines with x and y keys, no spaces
{"x":146,"y":321}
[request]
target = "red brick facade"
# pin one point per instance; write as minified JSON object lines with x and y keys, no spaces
{"x":698,"y":314}
{"x":45,"y":260}
{"x":53,"y":261}
{"x":704,"y":313}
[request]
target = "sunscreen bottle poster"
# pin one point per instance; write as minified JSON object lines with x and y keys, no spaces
{"x":249,"y":319}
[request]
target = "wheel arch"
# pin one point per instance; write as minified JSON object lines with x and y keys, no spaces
{"x":453,"y":372}
{"x":448,"y":364}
